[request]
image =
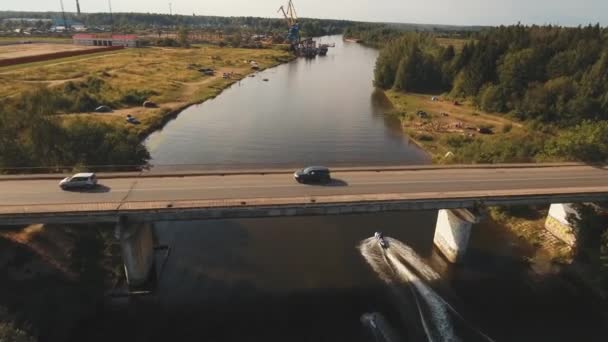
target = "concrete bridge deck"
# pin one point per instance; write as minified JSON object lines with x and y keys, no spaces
{"x":187,"y":196}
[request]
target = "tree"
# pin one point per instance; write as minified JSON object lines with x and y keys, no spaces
{"x":517,"y":70}
{"x":409,"y":64}
{"x":407,"y":78}
{"x":182,"y":37}
{"x":492,"y":98}
{"x":31,"y":136}
{"x":587,"y":142}
{"x":447,"y":54}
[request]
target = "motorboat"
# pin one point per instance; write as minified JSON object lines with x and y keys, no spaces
{"x":381,"y":240}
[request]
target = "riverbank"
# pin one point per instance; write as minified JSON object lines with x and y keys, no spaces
{"x":442,"y":126}
{"x":169,"y":77}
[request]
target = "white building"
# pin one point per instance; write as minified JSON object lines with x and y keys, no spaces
{"x":128,"y":40}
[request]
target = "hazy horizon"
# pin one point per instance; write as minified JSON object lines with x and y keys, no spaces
{"x":447,"y":12}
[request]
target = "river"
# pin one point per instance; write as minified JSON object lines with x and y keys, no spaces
{"x":310,"y":111}
{"x":314,"y":279}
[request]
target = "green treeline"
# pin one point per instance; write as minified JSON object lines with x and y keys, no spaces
{"x":30,"y":135}
{"x":553,"y":79}
{"x":549,"y":74}
{"x":414,"y":62}
{"x":381,"y":34}
{"x":372,"y":34}
{"x":132,"y":22}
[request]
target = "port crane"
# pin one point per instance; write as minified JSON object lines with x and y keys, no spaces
{"x":291,"y":17}
{"x":301,"y":47}
{"x":65,"y":21}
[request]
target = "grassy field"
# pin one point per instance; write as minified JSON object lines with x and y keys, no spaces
{"x":22,"y":50}
{"x":169,"y":75}
{"x":457,"y":43}
{"x":59,"y":40}
{"x":444,"y":119}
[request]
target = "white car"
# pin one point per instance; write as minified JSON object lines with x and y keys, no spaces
{"x":79,"y":181}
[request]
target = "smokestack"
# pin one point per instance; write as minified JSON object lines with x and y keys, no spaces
{"x":78,"y":7}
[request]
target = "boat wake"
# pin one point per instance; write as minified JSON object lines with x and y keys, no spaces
{"x":402,"y":269}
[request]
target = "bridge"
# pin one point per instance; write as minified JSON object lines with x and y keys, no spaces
{"x":137,"y":199}
{"x":150,"y":197}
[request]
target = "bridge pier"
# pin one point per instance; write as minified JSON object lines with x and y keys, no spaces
{"x":557,"y":222}
{"x":137,"y":245}
{"x":453,"y":232}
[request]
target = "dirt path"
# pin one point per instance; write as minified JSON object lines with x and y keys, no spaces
{"x":53,"y":82}
{"x":463,"y":112}
{"x":12,"y":68}
{"x":189,"y":89}
{"x":26,"y":50}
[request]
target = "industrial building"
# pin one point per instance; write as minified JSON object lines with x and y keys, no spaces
{"x":128,"y":40}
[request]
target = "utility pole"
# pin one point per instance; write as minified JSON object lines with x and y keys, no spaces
{"x":78,"y":7}
{"x":170,"y":9}
{"x":111,"y":17}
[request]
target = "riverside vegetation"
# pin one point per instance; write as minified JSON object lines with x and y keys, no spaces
{"x":542,"y":93}
{"x":546,"y":86}
{"x":46,"y":121}
{"x":46,"y":108}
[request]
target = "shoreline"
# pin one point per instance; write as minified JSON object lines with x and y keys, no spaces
{"x":545,"y":254}
{"x":431,"y":121}
{"x":172,"y":114}
{"x":171,"y":78}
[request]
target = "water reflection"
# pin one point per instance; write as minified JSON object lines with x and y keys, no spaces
{"x":315,"y":111}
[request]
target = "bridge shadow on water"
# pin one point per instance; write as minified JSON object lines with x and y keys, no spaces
{"x":288,"y":279}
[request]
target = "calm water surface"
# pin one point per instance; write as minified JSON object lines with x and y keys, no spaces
{"x":319,"y":111}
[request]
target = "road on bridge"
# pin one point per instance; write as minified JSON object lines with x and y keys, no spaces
{"x":44,"y":195}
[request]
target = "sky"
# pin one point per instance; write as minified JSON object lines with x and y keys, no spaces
{"x":448,"y":12}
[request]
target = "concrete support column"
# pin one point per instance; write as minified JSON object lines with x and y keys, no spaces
{"x":557,"y":222}
{"x":453,"y":232}
{"x":137,"y":245}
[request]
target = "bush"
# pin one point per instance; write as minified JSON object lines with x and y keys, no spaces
{"x":587,"y":142}
{"x":83,"y":102}
{"x":94,"y":84}
{"x":425,"y":137}
{"x":43,"y":141}
{"x":457,"y":141}
{"x":492,"y":151}
{"x":167,"y":42}
{"x":136,"y":97}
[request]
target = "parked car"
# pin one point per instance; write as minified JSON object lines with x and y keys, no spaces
{"x":422,"y":114}
{"x":79,"y":181}
{"x":132,"y":120}
{"x":150,"y":104}
{"x":485,"y":130}
{"x":313,"y":174}
{"x":103,"y":109}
